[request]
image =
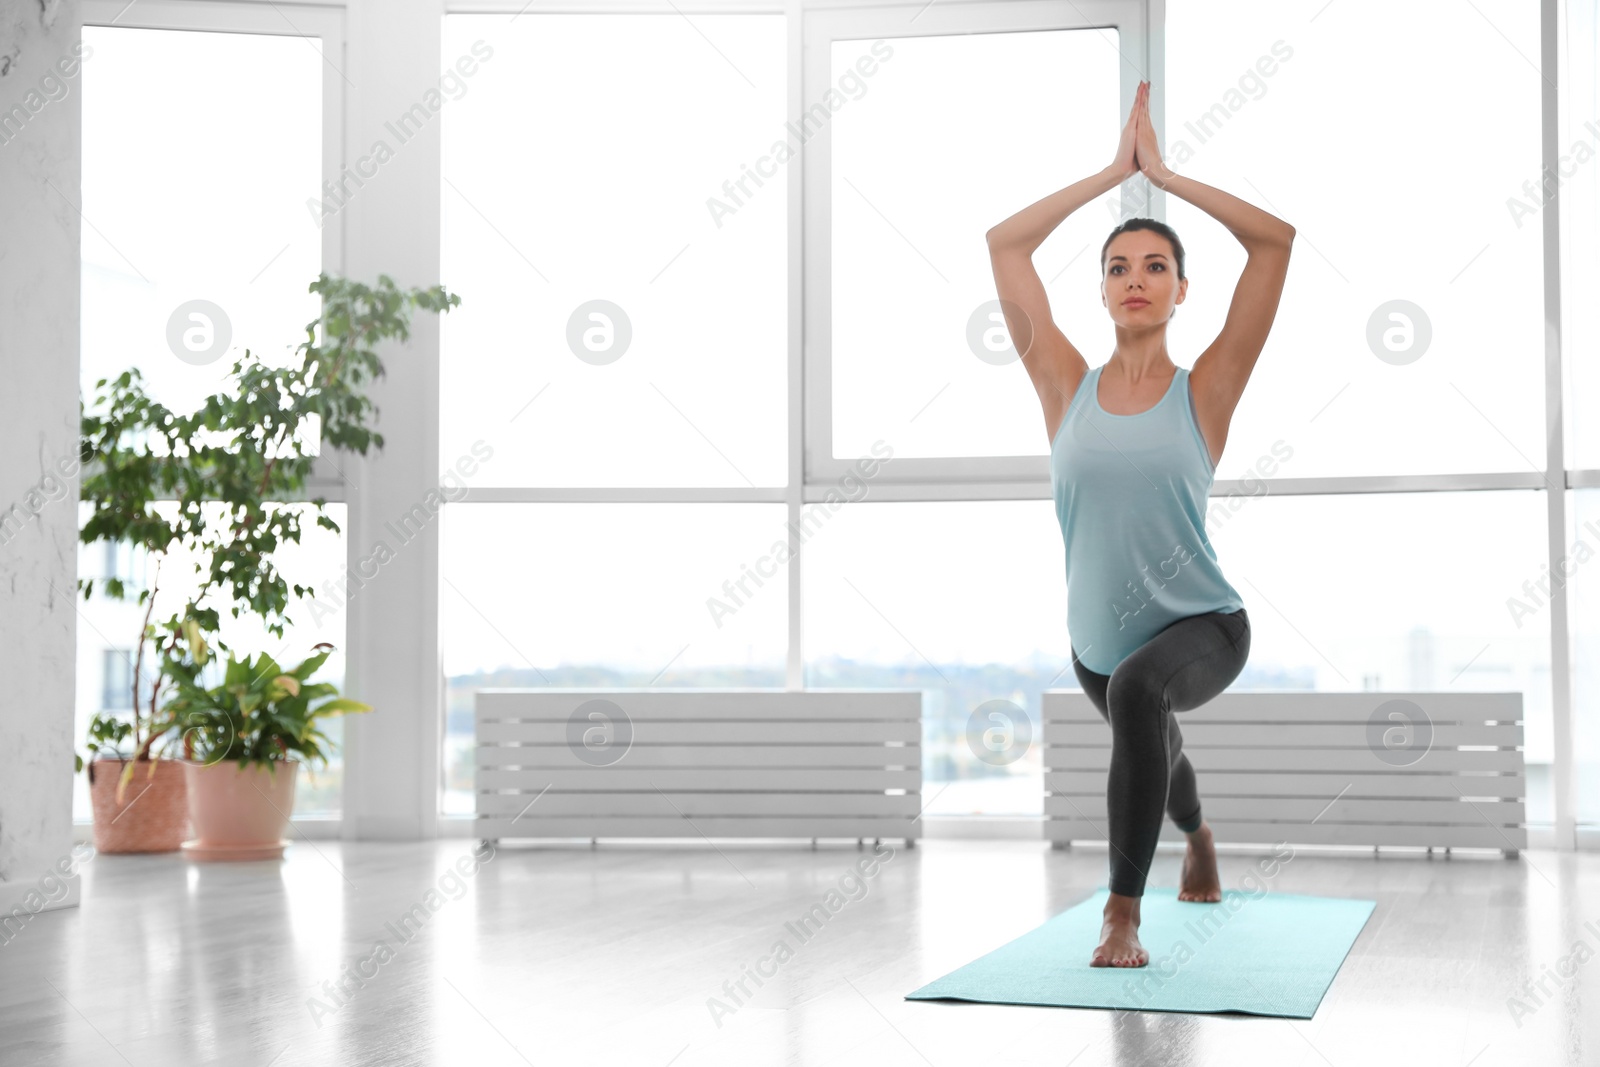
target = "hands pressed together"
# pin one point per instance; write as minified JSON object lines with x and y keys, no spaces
{"x":1138,"y":151}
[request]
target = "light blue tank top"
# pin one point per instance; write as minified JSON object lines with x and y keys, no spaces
{"x":1131,"y":494}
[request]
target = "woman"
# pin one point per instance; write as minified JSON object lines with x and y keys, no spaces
{"x":1134,"y":444}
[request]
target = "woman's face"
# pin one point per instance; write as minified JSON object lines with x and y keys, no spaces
{"x":1141,"y":287}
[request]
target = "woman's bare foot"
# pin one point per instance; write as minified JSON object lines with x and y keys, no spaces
{"x":1200,"y":882}
{"x":1119,"y":935}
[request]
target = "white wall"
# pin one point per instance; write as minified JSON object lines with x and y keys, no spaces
{"x":40,"y":158}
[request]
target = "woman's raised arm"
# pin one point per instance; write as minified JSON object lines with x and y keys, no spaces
{"x":1053,"y":363}
{"x":1222,"y":370}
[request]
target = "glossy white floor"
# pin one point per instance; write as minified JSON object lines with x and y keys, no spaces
{"x":549,"y":955}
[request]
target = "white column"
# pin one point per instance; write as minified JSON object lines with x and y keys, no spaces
{"x":40,"y":193}
{"x":392,"y":754}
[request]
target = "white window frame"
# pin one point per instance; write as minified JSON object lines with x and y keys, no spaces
{"x":942,"y":477}
{"x":1027,"y":477}
{"x":811,"y":467}
{"x":325,"y":21}
{"x":282,"y":20}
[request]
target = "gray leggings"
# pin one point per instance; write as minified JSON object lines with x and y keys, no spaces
{"x":1178,"y":669}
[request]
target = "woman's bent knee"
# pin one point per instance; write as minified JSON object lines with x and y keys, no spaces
{"x":1135,"y":691}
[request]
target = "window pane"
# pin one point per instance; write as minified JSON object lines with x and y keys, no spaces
{"x":614,"y":327}
{"x":1344,"y":593}
{"x":108,"y":635}
{"x":200,"y":154}
{"x":923,"y":164}
{"x":182,"y":275}
{"x":1397,"y":591}
{"x":605,"y":595}
{"x":965,"y":601}
{"x":1580,"y":221}
{"x":1584,"y":588}
{"x":1387,"y":253}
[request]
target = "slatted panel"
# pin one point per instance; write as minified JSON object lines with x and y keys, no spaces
{"x":704,"y":763}
{"x":1297,"y":767}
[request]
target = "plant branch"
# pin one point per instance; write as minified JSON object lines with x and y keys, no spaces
{"x":138,"y":663}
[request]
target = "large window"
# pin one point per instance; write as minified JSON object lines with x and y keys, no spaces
{"x":1580,"y":266}
{"x":921,"y":165}
{"x":622,"y":340}
{"x":1398,"y":592}
{"x":1578,"y":172}
{"x":964,"y":599}
{"x":619,"y":250}
{"x":608,"y":594}
{"x":201,"y":151}
{"x":689,"y":312}
{"x":1410,"y":339}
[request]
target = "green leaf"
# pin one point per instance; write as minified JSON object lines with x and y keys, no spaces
{"x":342,"y":706}
{"x":309,"y":666}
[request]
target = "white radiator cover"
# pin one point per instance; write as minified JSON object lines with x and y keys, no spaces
{"x":1301,"y":768}
{"x":702,"y":763}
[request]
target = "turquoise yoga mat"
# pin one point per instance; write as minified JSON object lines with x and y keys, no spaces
{"x":1264,"y":953}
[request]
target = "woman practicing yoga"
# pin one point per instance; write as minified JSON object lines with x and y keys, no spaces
{"x":1134,"y":444}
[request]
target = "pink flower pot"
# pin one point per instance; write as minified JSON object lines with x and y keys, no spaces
{"x":239,"y":813}
{"x":152,"y":817}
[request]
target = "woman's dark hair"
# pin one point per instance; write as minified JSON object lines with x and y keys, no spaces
{"x":1145,"y":224}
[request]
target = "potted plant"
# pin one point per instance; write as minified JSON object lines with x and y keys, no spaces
{"x":227,"y":466}
{"x":159,"y":797}
{"x":246,"y":732}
